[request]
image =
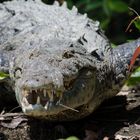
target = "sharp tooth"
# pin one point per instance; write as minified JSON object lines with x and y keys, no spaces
{"x":58,"y":93}
{"x":61,"y":94}
{"x":26,"y":103}
{"x":25,"y":93}
{"x":66,"y":84}
{"x":30,"y":90}
{"x":45,"y":93}
{"x":51,"y":99}
{"x":49,"y":93}
{"x":35,"y":90}
{"x":46,"y":106}
{"x":38,"y":100}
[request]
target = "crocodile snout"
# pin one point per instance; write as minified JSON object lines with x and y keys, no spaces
{"x":49,"y":99}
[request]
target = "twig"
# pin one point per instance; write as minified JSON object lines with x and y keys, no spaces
{"x":68,"y":107}
{"x":137,"y":17}
{"x":134,"y":11}
{"x":13,"y":109}
{"x":12,"y":114}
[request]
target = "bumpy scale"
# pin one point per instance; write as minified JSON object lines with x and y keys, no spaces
{"x":60,"y":63}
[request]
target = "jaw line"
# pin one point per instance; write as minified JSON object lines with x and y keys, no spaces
{"x":68,"y":102}
{"x":71,"y":99}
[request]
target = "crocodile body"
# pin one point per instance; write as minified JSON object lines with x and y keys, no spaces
{"x":60,"y":64}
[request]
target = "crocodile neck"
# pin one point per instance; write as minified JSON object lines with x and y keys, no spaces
{"x":122,"y":55}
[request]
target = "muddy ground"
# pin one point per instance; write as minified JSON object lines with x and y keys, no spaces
{"x":117,"y":118}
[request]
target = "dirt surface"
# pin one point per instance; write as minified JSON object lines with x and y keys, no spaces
{"x":117,"y":118}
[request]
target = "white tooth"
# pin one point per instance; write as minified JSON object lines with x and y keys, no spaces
{"x":51,"y":99}
{"x":25,"y":93}
{"x":46,"y":106}
{"x":49,"y":93}
{"x":36,"y":90}
{"x":67,"y":84}
{"x":26,"y":103}
{"x":59,"y":94}
{"x":45,"y":92}
{"x":41,"y":90}
{"x":38,"y":100}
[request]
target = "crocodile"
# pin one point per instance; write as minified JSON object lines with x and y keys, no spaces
{"x":61,"y":66}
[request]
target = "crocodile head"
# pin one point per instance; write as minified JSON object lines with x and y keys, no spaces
{"x":50,"y":80}
{"x":55,"y":63}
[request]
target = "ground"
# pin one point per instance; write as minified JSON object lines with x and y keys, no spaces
{"x":117,"y":118}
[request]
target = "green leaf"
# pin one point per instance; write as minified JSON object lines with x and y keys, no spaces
{"x":136,"y":73}
{"x":133,"y":81}
{"x":137,"y":24}
{"x":135,"y":78}
{"x":113,"y":45}
{"x":117,"y":6}
{"x":3,"y":75}
{"x":72,"y":138}
{"x":106,"y":9}
{"x":105,"y":22}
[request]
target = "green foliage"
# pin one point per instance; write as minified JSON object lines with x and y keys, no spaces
{"x":3,"y":75}
{"x":135,"y":78}
{"x":137,"y":23}
{"x":104,"y":9}
{"x":72,"y":138}
{"x":117,"y":6}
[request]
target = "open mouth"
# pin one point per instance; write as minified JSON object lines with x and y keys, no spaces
{"x":44,"y":98}
{"x":48,"y":100}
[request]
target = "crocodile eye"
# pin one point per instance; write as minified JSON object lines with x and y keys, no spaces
{"x":17,"y":73}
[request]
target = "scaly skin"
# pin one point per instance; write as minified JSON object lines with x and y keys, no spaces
{"x":60,"y":63}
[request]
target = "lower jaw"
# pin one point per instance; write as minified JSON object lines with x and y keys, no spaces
{"x":59,"y":115}
{"x":38,"y":110}
{"x":57,"y":112}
